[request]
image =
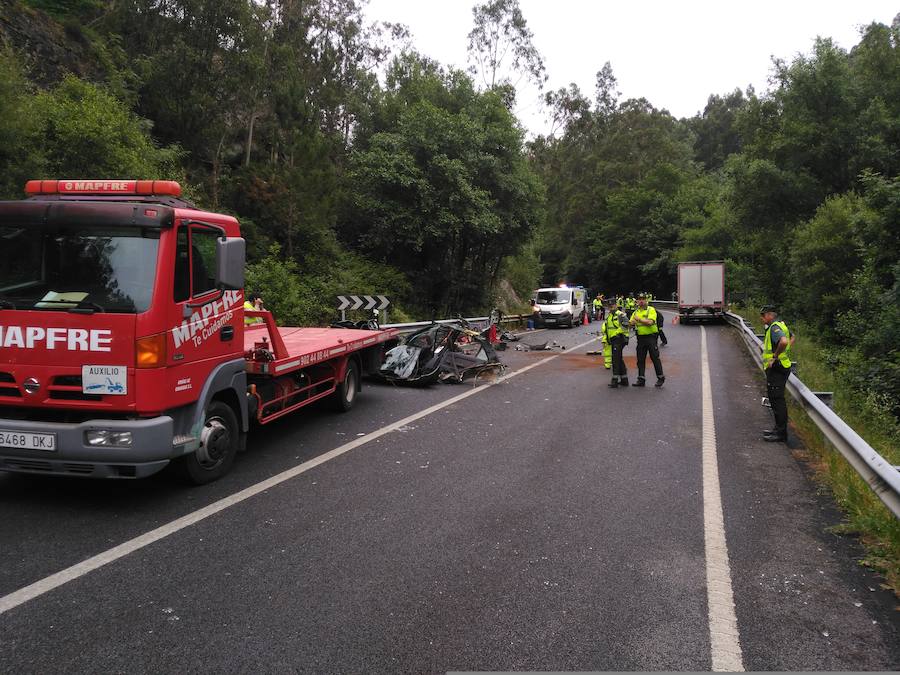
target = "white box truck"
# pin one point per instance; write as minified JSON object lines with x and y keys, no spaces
{"x":701,"y":290}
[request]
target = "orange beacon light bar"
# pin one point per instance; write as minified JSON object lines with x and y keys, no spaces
{"x":103,"y":187}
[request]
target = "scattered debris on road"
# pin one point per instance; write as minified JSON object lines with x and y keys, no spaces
{"x":539,"y":347}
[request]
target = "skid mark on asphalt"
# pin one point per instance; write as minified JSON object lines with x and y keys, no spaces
{"x":54,"y":581}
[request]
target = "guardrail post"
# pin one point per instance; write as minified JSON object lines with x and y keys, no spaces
{"x":827,"y":397}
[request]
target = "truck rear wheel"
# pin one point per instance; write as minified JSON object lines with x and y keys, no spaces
{"x":345,"y":394}
{"x":219,"y":442}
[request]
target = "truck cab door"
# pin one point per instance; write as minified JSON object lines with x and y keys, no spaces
{"x":206,"y":320}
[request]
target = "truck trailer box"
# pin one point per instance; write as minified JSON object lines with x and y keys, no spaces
{"x":701,"y":290}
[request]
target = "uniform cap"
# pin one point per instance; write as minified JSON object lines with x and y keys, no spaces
{"x":765,"y":309}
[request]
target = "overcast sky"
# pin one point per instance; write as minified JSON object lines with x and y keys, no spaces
{"x":674,"y":53}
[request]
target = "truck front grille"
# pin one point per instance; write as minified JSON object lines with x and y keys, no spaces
{"x":68,"y":388}
{"x":8,"y":388}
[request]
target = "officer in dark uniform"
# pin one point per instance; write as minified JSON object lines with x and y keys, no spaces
{"x":777,"y":364}
{"x":644,"y":321}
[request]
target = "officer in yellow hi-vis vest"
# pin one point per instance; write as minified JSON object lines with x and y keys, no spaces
{"x":604,"y":338}
{"x":616,"y":327}
{"x":598,"y":307}
{"x":777,"y":364}
{"x":630,"y":305}
{"x":644,"y":321}
{"x":252,"y":303}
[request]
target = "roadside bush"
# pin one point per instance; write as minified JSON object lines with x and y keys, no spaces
{"x":18,"y":162}
{"x":301,"y":298}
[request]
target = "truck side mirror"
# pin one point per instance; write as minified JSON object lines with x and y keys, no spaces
{"x":231,"y":254}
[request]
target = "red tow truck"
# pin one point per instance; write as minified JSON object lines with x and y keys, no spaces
{"x":123,"y":341}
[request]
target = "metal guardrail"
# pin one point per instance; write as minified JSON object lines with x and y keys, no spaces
{"x":475,"y":320}
{"x":882,"y":477}
{"x":512,"y":318}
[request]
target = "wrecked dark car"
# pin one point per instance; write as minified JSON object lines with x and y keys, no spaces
{"x":446,"y":352}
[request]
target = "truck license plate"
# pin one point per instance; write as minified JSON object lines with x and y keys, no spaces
{"x":22,"y":440}
{"x":108,"y":380}
{"x":550,"y":320}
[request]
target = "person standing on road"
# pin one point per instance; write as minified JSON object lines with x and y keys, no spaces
{"x":777,"y":364}
{"x":598,"y":307}
{"x":644,"y":321}
{"x":616,"y":328}
{"x":630,"y":305}
{"x":607,"y":347}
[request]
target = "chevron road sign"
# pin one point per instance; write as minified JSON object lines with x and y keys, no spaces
{"x":367,"y":302}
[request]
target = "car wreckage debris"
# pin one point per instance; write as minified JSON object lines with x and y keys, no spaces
{"x":445,"y":352}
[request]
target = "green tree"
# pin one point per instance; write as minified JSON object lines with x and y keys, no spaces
{"x":78,"y":129}
{"x":19,"y":161}
{"x":442,"y":177}
{"x":501,"y":45}
{"x":717,"y":135}
{"x":827,"y":253}
{"x":615,"y":183}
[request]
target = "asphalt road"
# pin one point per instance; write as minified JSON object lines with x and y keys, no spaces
{"x":543,"y":523}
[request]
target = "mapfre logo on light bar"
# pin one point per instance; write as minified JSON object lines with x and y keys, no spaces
{"x":97,"y":186}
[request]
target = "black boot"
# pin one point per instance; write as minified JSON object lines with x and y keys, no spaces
{"x":614,"y":384}
{"x":660,"y":380}
{"x":623,"y":381}
{"x":639,"y":382}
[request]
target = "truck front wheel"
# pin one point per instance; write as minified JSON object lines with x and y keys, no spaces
{"x":218,"y":446}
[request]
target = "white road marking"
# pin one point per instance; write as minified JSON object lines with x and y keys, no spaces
{"x":47,"y":584}
{"x":530,"y":332}
{"x":723,"y":630}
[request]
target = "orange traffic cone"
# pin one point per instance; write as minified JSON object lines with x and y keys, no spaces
{"x":584,"y":321}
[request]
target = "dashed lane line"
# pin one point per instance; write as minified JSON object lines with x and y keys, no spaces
{"x":724,"y":638}
{"x":54,"y":581}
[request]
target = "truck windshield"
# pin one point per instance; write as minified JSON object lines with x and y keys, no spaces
{"x":554,"y":297}
{"x":90,"y":269}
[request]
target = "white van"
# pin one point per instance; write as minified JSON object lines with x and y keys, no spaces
{"x":560,"y":306}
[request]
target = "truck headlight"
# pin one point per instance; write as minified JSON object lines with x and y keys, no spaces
{"x":104,"y":438}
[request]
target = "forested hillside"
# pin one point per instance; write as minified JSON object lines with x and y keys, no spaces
{"x":421,"y":184}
